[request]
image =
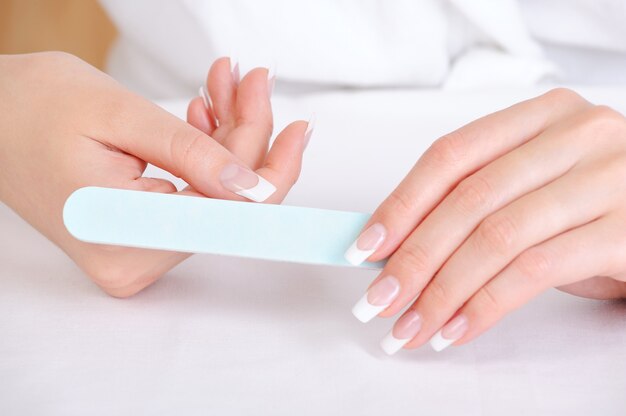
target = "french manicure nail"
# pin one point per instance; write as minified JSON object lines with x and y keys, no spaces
{"x":403,"y":331}
{"x":271,"y":79}
{"x":451,"y":332}
{"x":202,"y":92}
{"x":206,"y":100}
{"x":377,"y":299}
{"x":246,"y":183}
{"x":366,"y":244}
{"x":309,"y":131}
{"x":234,"y":70}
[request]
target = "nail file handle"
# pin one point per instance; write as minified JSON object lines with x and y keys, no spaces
{"x":204,"y":225}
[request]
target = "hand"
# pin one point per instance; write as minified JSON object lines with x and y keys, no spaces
{"x":525,"y":199}
{"x":67,"y":125}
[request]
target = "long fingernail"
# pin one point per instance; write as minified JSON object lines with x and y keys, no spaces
{"x":246,"y":183}
{"x":234,"y":70}
{"x":204,"y":94}
{"x":403,"y":331}
{"x":367,"y":243}
{"x":309,"y":131}
{"x":271,"y":79}
{"x":451,"y":332}
{"x":208,"y":104}
{"x":377,"y":298}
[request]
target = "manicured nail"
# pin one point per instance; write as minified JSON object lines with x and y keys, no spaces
{"x":246,"y":183}
{"x":309,"y":131}
{"x":271,"y":79}
{"x":452,"y":331}
{"x":377,"y":298}
{"x":403,"y":331}
{"x":234,"y":70}
{"x":367,"y":243}
{"x":206,"y":100}
{"x":202,"y":92}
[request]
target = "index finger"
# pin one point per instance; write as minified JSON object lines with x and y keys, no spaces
{"x":150,"y":133}
{"x":452,"y":158}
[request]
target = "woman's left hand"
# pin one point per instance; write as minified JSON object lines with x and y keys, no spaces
{"x":528,"y":198}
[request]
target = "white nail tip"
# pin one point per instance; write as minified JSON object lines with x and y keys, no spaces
{"x":233,"y":62}
{"x":234,"y":69}
{"x":365,"y":311}
{"x":356,"y":256}
{"x":260,"y":192}
{"x":391,"y":344}
{"x":439,"y":343}
{"x":202,"y":92}
{"x":310,"y":126}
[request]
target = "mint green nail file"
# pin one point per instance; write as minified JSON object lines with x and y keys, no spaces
{"x":204,"y":225}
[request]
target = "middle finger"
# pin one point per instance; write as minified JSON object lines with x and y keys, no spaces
{"x":571,"y":201}
{"x":519,"y":172}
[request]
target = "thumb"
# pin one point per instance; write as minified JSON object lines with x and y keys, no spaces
{"x":160,"y":138}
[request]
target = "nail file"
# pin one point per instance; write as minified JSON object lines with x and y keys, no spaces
{"x":204,"y":225}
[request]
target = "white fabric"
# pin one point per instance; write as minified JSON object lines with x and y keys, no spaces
{"x":585,"y":38}
{"x":591,"y":24}
{"x":346,"y":43}
{"x":227,"y":336}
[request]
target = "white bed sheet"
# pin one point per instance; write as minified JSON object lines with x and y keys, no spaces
{"x":222,"y":335}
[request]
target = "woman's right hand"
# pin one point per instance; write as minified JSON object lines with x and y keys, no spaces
{"x":67,"y":125}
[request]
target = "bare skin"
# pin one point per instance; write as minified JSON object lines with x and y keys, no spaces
{"x":522,"y":200}
{"x":67,"y":125}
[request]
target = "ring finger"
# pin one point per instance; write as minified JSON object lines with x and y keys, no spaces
{"x":571,"y":201}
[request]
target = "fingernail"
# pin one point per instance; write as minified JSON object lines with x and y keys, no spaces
{"x":403,"y":331}
{"x":377,"y":298}
{"x":202,"y":92}
{"x":234,"y":70}
{"x":366,"y":244}
{"x":271,"y":79}
{"x":452,"y":331}
{"x":246,"y":183}
{"x":208,"y":104}
{"x":309,"y":131}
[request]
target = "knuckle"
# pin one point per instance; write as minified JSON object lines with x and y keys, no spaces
{"x":401,"y":203}
{"x":263,"y":127}
{"x":447,"y":150}
{"x":62,"y":76}
{"x":534,"y":264}
{"x":607,"y":117}
{"x":472,"y":194}
{"x":414,"y":258}
{"x":64,"y":56}
{"x":439,"y":293}
{"x":487,"y":301}
{"x":185,"y":150}
{"x":601,"y":123}
{"x":496,"y":234}
{"x":562,"y":96}
{"x":64,"y":64}
{"x":53,"y":57}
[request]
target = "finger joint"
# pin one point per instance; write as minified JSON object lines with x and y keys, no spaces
{"x":473,"y":194}
{"x":534,"y":264}
{"x":448,"y":150}
{"x":414,"y":258}
{"x":496,"y":234}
